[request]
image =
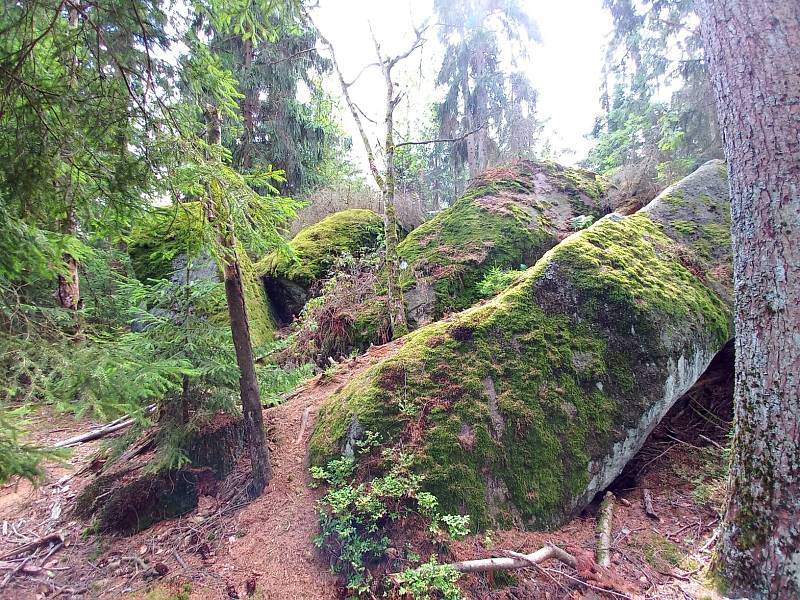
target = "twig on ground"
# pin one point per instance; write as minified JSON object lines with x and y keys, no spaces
{"x":603,"y":530}
{"x":303,"y":424}
{"x":103,"y":431}
{"x":589,"y":585}
{"x":35,"y":544}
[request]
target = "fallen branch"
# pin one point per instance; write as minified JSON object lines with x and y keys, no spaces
{"x":103,"y":431}
{"x":23,"y":568}
{"x":31,"y":546}
{"x":515,"y":560}
{"x":303,"y":424}
{"x":603,"y":530}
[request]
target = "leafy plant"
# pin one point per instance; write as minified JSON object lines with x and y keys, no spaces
{"x":496,"y":280}
{"x":354,"y":516}
{"x":430,"y":580}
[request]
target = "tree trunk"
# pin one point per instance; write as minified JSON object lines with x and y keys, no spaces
{"x":248,"y":383}
{"x":753,"y":48}
{"x":68,"y":293}
{"x":397,"y":309}
{"x":240,"y":330}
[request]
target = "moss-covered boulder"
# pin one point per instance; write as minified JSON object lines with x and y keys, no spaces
{"x":289,"y":275}
{"x":521,"y":409}
{"x":161,"y":243}
{"x":507,"y":217}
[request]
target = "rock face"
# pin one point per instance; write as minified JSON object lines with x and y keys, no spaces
{"x":521,"y":409}
{"x":312,"y":252}
{"x":507,"y":217}
{"x":160,"y":245}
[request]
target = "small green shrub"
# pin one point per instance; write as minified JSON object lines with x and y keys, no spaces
{"x":354,"y":516}
{"x":429,"y":581}
{"x":581,"y":222}
{"x":496,"y":280}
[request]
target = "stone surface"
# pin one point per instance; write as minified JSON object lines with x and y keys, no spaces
{"x":521,"y":409}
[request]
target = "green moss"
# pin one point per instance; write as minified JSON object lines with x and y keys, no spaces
{"x":259,"y":312}
{"x":315,"y":248}
{"x":170,"y":232}
{"x":685,"y":227}
{"x":675,"y":198}
{"x":508,"y":404}
{"x":661,"y":554}
{"x":169,"y":591}
{"x":504,"y":219}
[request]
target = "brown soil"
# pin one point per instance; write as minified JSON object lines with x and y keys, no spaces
{"x":225,"y":551}
{"x":265,"y":549}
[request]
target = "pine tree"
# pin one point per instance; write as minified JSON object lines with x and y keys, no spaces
{"x":480,"y":96}
{"x":754,"y":55}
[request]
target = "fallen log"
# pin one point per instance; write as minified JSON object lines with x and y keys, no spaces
{"x":603,"y":530}
{"x":515,"y":560}
{"x":103,"y":431}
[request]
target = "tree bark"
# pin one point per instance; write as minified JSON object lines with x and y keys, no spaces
{"x":68,"y":291}
{"x":397,"y":309}
{"x":240,"y":330}
{"x":753,"y":49}
{"x":68,"y":294}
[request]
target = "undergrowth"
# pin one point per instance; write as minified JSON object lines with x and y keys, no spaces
{"x":354,"y":518}
{"x":707,"y":472}
{"x":428,"y":581}
{"x":345,"y":315}
{"x":497,"y":279}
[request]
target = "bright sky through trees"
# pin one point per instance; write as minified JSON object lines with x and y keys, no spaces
{"x":565,"y":67}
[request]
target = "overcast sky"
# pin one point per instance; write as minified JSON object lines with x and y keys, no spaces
{"x":564,"y":67}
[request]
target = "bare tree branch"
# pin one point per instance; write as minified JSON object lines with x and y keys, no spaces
{"x":292,"y":56}
{"x":361,"y":72}
{"x":373,"y":167}
{"x":442,"y":140}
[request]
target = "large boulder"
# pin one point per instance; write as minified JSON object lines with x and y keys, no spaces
{"x":289,"y":275}
{"x":507,"y":217}
{"x":170,"y":240}
{"x":521,"y":409}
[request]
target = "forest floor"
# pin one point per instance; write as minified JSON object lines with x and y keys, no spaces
{"x":265,"y":550}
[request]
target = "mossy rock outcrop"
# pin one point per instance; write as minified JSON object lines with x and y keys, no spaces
{"x":288,"y":276}
{"x":521,"y":409}
{"x":159,"y":247}
{"x":508,"y":216}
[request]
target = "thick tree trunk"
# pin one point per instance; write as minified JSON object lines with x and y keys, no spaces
{"x":240,"y":330}
{"x":753,"y":48}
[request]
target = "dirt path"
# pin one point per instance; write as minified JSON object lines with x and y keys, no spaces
{"x":267,"y":543}
{"x":277,"y":549}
